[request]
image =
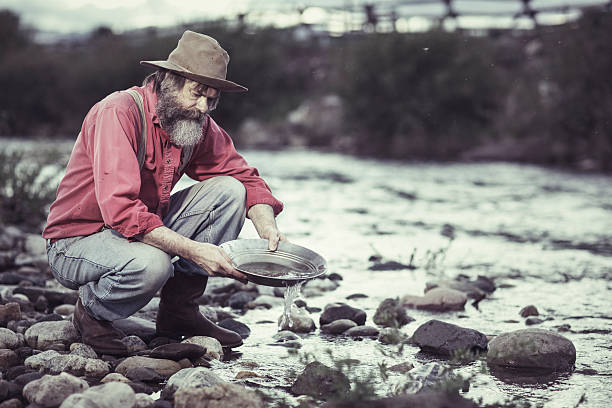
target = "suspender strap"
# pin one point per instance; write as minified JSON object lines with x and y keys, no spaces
{"x":142,"y":147}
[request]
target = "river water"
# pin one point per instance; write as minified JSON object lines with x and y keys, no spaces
{"x":544,"y":235}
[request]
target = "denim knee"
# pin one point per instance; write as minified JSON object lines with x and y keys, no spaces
{"x":156,"y":270}
{"x":233,"y":191}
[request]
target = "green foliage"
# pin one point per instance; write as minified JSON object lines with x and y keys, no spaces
{"x":422,"y":95}
{"x":27,"y":186}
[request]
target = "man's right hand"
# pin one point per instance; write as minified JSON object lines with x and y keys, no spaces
{"x":215,"y":261}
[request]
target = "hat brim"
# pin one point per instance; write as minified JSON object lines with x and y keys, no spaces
{"x":221,"y":84}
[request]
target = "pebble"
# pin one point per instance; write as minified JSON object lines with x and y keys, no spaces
{"x":240,"y":375}
{"x":114,"y":377}
{"x":8,"y":339}
{"x":362,"y":331}
{"x":285,"y":335}
{"x":530,"y":310}
{"x":83,"y":350}
{"x":134,"y":344}
{"x":322,"y":382}
{"x":337,"y":311}
{"x":239,"y":300}
{"x":530,"y":321}
{"x":165,"y":368}
{"x":265,"y":302}
{"x":144,"y":374}
{"x":64,"y":310}
{"x":11,"y":403}
{"x":142,"y":400}
{"x":42,"y":335}
{"x":299,"y":322}
{"x":438,"y":299}
{"x":338,"y":326}
{"x":196,"y":377}
{"x":214,"y":350}
{"x":51,"y":390}
{"x":390,"y":313}
{"x":391,"y":335}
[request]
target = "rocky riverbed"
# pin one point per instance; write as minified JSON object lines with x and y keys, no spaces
{"x":490,"y":279}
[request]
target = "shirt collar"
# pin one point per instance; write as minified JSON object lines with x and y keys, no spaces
{"x":151,"y":102}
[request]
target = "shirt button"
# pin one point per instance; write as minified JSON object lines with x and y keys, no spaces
{"x":165,"y":188}
{"x":168,"y":161}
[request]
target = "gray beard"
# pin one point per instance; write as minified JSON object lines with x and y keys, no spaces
{"x":183,"y":126}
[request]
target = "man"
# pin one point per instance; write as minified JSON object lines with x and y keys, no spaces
{"x":114,"y":228}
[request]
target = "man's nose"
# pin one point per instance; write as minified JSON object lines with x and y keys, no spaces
{"x":202,"y":104}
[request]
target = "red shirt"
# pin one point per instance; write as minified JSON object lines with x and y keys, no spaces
{"x":104,"y":186}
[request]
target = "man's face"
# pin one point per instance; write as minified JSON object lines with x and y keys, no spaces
{"x":182,"y":110}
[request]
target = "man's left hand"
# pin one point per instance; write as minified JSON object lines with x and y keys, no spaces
{"x":263,"y":219}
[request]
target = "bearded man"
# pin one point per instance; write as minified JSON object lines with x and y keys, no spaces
{"x":116,"y":233}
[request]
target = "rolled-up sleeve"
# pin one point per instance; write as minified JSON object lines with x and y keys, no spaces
{"x":217,"y":156}
{"x":117,"y":173}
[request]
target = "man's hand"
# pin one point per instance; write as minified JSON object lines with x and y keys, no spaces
{"x":209,"y":257}
{"x":262,"y":216}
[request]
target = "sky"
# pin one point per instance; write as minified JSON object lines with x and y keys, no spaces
{"x":78,"y":16}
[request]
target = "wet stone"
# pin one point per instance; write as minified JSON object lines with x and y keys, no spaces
{"x":236,"y":326}
{"x":285,"y":335}
{"x":196,"y":377}
{"x":530,"y":310}
{"x":390,"y":313}
{"x":178,"y":351}
{"x":472,"y":291}
{"x":220,"y":395}
{"x":391,"y":335}
{"x":337,"y":311}
{"x":299,"y":322}
{"x":437,"y":299}
{"x":338,"y":326}
{"x":530,"y":321}
{"x":362,"y":331}
{"x":446,"y":339}
{"x":320,"y":381}
{"x":165,"y":367}
{"x":239,"y":300}
{"x":214,"y":350}
{"x":356,"y":296}
{"x":52,"y":317}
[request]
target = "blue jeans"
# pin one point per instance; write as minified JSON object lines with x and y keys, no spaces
{"x":117,"y":277}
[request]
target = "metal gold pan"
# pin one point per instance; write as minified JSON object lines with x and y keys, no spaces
{"x":288,"y":265}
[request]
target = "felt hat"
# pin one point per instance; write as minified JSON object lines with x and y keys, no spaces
{"x":201,"y":59}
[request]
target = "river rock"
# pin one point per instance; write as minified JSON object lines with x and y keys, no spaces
{"x":8,"y":312}
{"x":196,"y":377}
{"x":134,"y":344}
{"x":446,"y":339}
{"x":299,"y":322}
{"x":285,"y":335}
{"x":136,"y":326}
{"x":429,"y":399}
{"x":472,"y":291}
{"x":337,"y":311}
{"x":438,"y":299}
{"x":144,"y":374}
{"x":530,"y":321}
{"x":390,"y":313}
{"x":42,"y":335}
{"x":530,"y":310}
{"x":109,"y":395}
{"x":338,"y":326}
{"x":51,"y":390}
{"x":8,"y":358}
{"x":362,"y":331}
{"x":532,"y":348}
{"x":55,"y":297}
{"x":423,"y":377}
{"x":322,"y":382}
{"x":236,"y":326}
{"x":391,"y":335}
{"x":77,"y":365}
{"x":178,"y":351}
{"x":8,"y":339}
{"x":142,"y":400}
{"x":64,"y":310}
{"x":218,"y":396}
{"x":165,"y":368}
{"x":11,"y":403}
{"x":114,"y":377}
{"x":214,"y":350}
{"x":240,"y":299}
{"x":83,"y":350}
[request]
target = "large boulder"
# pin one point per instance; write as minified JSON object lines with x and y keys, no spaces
{"x":320,"y":381}
{"x":44,"y":334}
{"x":197,"y":377}
{"x":110,"y":395}
{"x":532,"y":348}
{"x":437,"y":299}
{"x":218,"y":396}
{"x":337,"y":311}
{"x":446,"y":339}
{"x":51,"y":390}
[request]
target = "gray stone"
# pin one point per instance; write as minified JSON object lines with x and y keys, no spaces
{"x":219,"y":396}
{"x":391,"y":335}
{"x":214,"y":350}
{"x":8,"y":358}
{"x":142,"y":400}
{"x":298,"y":322}
{"x":437,"y":299}
{"x":55,"y":296}
{"x":362,"y":331}
{"x":114,"y":377}
{"x":163,"y":367}
{"x":196,"y":377}
{"x":423,"y":377}
{"x":446,"y":339}
{"x":11,"y":403}
{"x":83,"y":350}
{"x":38,"y":361}
{"x":337,"y":311}
{"x":239,"y":300}
{"x":51,"y":390}
{"x":472,"y":291}
{"x":178,"y":351}
{"x":530,"y":310}
{"x":320,"y":381}
{"x":530,"y":321}
{"x":338,"y":326}
{"x":77,"y":365}
{"x":42,"y":335}
{"x":144,"y":374}
{"x":390,"y":313}
{"x":285,"y":335}
{"x":532,"y":348}
{"x":8,"y":339}
{"x":8,"y":312}
{"x":64,"y":310}
{"x":134,"y":344}
{"x":109,"y":395}
{"x":236,"y":326}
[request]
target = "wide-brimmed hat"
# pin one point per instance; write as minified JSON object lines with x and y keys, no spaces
{"x":201,"y":59}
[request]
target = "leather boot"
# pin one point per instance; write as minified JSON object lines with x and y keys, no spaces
{"x":99,"y":334}
{"x":179,"y":314}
